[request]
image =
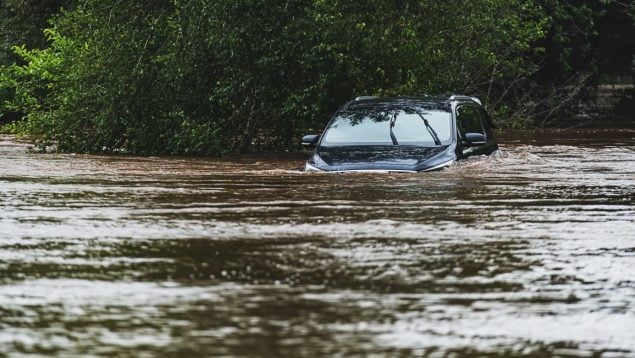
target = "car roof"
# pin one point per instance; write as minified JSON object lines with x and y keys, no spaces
{"x":423,"y":101}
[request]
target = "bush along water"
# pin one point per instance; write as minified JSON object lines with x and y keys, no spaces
{"x":209,"y":77}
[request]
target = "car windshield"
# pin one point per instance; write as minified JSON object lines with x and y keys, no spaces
{"x":394,"y":126}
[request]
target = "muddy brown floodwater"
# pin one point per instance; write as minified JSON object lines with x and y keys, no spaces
{"x":530,"y":251}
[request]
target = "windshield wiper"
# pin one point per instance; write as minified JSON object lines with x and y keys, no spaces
{"x":431,"y":130}
{"x":392,"y":125}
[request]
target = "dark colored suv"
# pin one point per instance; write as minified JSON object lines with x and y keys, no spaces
{"x":403,"y":134}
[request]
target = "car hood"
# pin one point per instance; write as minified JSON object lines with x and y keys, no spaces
{"x":385,"y":157}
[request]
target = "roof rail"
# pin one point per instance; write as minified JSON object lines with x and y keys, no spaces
{"x":361,"y":98}
{"x":471,"y":98}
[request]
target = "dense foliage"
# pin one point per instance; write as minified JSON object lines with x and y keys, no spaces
{"x":586,"y":43}
{"x":211,"y":76}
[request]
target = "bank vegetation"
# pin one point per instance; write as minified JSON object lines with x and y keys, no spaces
{"x":209,"y":77}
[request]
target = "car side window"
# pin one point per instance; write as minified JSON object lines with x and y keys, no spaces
{"x":469,"y":120}
{"x":486,"y":120}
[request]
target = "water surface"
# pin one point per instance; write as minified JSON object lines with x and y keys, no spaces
{"x":529,"y":251}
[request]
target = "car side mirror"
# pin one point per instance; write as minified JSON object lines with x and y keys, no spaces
{"x":310,"y":139}
{"x":475,"y":138}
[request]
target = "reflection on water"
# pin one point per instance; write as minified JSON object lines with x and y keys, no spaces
{"x":528,"y":251}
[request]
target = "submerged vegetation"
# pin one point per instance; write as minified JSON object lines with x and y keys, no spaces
{"x":214,"y":76}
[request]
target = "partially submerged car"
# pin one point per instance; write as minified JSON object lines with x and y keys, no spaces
{"x":402,"y":134}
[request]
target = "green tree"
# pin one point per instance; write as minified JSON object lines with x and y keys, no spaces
{"x":21,"y":24}
{"x":208,"y":77}
{"x":585,"y":40}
